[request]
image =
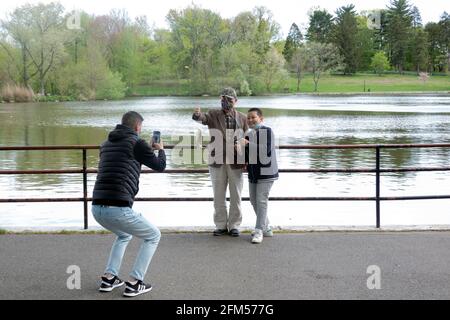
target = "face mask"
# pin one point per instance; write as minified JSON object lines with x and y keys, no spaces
{"x":257,"y":126}
{"x":226,"y":105}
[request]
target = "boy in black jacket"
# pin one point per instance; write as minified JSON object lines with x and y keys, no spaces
{"x":262,"y":170}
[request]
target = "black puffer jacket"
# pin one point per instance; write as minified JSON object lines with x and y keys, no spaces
{"x":121,"y":157}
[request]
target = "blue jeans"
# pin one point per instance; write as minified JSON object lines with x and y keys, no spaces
{"x":125,"y":223}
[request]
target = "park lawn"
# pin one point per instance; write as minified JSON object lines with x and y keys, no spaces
{"x":374,"y":83}
{"x":327,"y":84}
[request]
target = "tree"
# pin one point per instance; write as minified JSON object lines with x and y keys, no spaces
{"x":345,"y":37}
{"x":10,"y":66}
{"x":195,"y":43}
{"x":323,"y":57}
{"x":366,"y":43}
{"x":439,"y":43}
{"x":243,"y":28}
{"x":380,"y":62}
{"x":41,"y":33}
{"x":320,"y":26}
{"x":156,"y":62}
{"x":91,"y":78}
{"x":416,"y":17}
{"x":298,"y":63}
{"x":399,"y":26}
{"x":273,"y":66}
{"x":444,"y":25}
{"x":293,"y":42}
{"x":419,"y":50}
{"x":19,"y":31}
{"x":267,"y":30}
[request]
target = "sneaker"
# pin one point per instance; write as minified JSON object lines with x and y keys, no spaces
{"x":234,"y":233}
{"x":268,"y":233}
{"x":258,"y":236}
{"x":108,"y":285}
{"x":220,"y":232}
{"x":133,"y":290}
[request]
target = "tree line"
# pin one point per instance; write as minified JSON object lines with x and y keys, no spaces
{"x":85,"y":56}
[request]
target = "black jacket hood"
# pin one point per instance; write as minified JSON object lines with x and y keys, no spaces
{"x":120,"y":132}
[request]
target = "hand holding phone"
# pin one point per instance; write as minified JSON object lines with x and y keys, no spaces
{"x":156,"y":138}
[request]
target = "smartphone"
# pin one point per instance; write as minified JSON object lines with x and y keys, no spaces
{"x":156,"y":138}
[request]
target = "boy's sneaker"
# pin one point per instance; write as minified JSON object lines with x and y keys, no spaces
{"x":108,"y":285}
{"x":258,"y":236}
{"x":133,"y":290}
{"x":268,"y":233}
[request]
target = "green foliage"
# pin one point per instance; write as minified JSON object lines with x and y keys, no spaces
{"x":111,"y":87}
{"x":320,"y":26}
{"x":293,"y":42}
{"x":398,"y":31}
{"x":112,"y":55}
{"x":345,"y":37}
{"x":380,"y":62}
{"x":323,"y":58}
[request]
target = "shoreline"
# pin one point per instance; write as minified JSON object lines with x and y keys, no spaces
{"x":299,"y":94}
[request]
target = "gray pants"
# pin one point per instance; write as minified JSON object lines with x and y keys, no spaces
{"x":259,"y":198}
{"x":221,"y":177}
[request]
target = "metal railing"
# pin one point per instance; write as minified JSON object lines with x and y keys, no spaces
{"x":377,"y":171}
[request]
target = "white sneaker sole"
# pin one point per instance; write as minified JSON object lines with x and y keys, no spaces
{"x":134,"y":294}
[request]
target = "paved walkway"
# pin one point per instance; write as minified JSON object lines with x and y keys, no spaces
{"x":321,"y":265}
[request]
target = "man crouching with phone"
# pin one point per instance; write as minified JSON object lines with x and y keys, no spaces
{"x":121,"y":157}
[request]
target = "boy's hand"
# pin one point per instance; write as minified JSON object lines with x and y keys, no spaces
{"x":197,"y":111}
{"x":158,"y":146}
{"x":243,"y":142}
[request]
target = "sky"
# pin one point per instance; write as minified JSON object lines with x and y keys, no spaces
{"x":285,"y":11}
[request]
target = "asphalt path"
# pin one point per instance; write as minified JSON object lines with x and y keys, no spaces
{"x":293,"y":266}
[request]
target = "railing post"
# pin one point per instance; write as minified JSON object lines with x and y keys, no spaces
{"x":378,"y":186}
{"x":85,"y":204}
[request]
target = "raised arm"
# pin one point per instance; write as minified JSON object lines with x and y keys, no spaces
{"x":200,"y":116}
{"x":144,"y":153}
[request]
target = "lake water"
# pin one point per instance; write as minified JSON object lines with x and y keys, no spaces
{"x":294,"y":119}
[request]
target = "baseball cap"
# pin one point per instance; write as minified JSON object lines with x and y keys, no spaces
{"x":229,"y":92}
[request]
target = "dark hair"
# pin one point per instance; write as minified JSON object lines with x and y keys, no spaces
{"x":131,"y":119}
{"x":257,"y":110}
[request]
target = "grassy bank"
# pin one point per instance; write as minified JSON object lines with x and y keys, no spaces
{"x":335,"y":84}
{"x":328,"y":84}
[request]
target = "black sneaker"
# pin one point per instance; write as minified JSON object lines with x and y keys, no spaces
{"x":133,"y":290}
{"x":108,"y":285}
{"x":234,"y":232}
{"x":220,"y":232}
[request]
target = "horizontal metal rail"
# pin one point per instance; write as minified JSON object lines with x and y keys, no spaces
{"x":377,"y":171}
{"x":177,"y":171}
{"x":281,"y":147}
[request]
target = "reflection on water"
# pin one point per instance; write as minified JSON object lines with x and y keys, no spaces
{"x":295,"y":120}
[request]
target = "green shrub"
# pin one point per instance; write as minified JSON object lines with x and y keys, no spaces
{"x":111,"y":87}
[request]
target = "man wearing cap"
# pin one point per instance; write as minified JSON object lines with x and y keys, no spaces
{"x":226,"y":125}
